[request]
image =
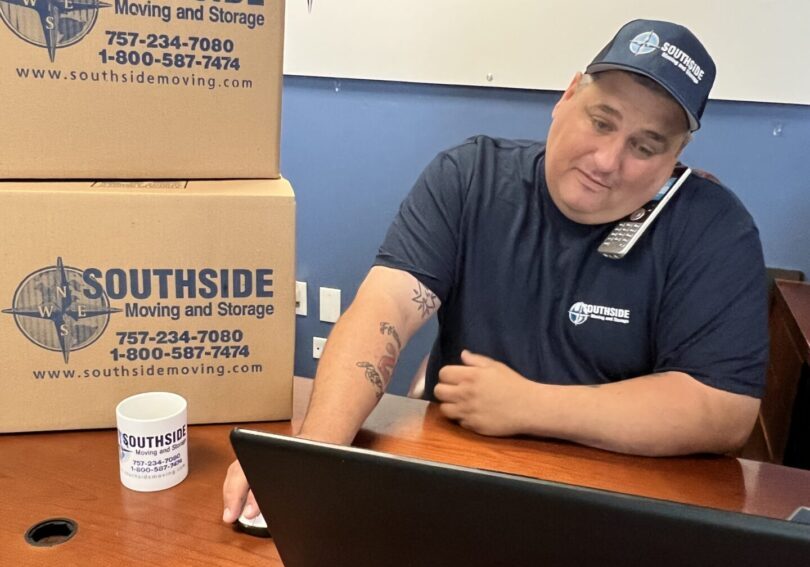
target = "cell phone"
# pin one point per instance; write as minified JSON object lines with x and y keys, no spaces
{"x":629,"y":229}
{"x":253,"y":526}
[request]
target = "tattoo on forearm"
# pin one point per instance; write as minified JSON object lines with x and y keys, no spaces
{"x":425,"y":300}
{"x":388,"y":329}
{"x":373,"y":376}
{"x":387,"y":362}
{"x":380,"y":375}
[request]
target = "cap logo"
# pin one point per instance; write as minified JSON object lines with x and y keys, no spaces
{"x":644,"y":43}
{"x":683,"y":61}
{"x":647,"y":42}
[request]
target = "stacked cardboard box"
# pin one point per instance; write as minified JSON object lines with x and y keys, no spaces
{"x":140,"y":89}
{"x":121,"y":286}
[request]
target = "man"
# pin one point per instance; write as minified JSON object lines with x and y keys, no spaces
{"x":500,"y":239}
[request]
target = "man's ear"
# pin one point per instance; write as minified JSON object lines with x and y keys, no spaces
{"x":569,"y":92}
{"x":686,"y":139}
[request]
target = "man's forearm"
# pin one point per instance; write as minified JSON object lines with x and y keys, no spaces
{"x":354,"y":371}
{"x":662,"y":414}
{"x":362,"y":352}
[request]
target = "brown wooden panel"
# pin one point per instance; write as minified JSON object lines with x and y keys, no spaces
{"x":784,"y":369}
{"x":789,"y":327}
{"x":796,"y":296}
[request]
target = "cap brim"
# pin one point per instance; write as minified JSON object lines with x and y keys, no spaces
{"x":694,"y":123}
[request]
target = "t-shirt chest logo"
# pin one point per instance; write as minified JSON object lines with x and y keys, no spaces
{"x":580,"y":312}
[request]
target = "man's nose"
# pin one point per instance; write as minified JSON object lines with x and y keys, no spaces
{"x":608,"y":154}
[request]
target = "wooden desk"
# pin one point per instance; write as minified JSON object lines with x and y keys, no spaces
{"x":75,"y":475}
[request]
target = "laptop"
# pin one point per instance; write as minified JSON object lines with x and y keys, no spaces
{"x":329,"y":505}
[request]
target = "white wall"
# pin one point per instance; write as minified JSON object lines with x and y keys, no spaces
{"x":758,"y":45}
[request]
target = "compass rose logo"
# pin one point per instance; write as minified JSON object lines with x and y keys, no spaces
{"x":578,"y":313}
{"x":51,"y":23}
{"x":123,"y":453}
{"x":645,"y":43}
{"x":51,"y":310}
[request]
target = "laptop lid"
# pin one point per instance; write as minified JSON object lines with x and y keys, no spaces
{"x":329,"y":505}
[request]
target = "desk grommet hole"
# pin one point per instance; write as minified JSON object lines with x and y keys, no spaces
{"x":53,"y":531}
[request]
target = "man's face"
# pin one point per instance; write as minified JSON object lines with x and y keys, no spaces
{"x":611,"y":146}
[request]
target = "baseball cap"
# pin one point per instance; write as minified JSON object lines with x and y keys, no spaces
{"x":667,"y":53}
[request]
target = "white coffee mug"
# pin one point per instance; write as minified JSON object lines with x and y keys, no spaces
{"x":152,"y":441}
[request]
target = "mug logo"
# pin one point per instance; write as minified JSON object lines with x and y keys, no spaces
{"x":51,"y":23}
{"x":124,"y":453}
{"x":644,"y":43}
{"x":53,"y":311}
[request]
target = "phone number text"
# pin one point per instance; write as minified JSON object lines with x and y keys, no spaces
{"x":156,"y":466}
{"x":174,"y":337}
{"x":162,"y":41}
{"x":180,"y":352}
{"x":171,"y":60}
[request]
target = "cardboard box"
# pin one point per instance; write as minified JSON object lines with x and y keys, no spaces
{"x":110,"y":289}
{"x":140,"y":89}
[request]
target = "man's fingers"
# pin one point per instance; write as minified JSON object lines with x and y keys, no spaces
{"x":450,"y":411}
{"x":251,"y":509}
{"x":451,"y":374}
{"x":445,"y":392}
{"x":472,"y":359}
{"x":468,"y":369}
{"x":235,"y":493}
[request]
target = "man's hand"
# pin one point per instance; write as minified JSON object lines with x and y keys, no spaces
{"x":666,"y":413}
{"x":236,"y":495}
{"x":483,"y":395}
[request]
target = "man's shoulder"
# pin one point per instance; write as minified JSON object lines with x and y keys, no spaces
{"x":482,"y":147}
{"x":708,"y":195}
{"x":708,"y":215}
{"x":503,"y":160}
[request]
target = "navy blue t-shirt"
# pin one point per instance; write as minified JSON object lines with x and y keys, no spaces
{"x":521,"y":283}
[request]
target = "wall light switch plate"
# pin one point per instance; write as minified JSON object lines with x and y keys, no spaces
{"x":301,"y":298}
{"x":330,"y":304}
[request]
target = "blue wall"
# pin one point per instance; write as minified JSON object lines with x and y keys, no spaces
{"x":352,"y":149}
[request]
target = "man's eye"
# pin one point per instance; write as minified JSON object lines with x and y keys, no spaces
{"x":644,"y":151}
{"x":600,"y":125}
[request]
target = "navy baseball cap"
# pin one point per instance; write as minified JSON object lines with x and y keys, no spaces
{"x":668,"y":54}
